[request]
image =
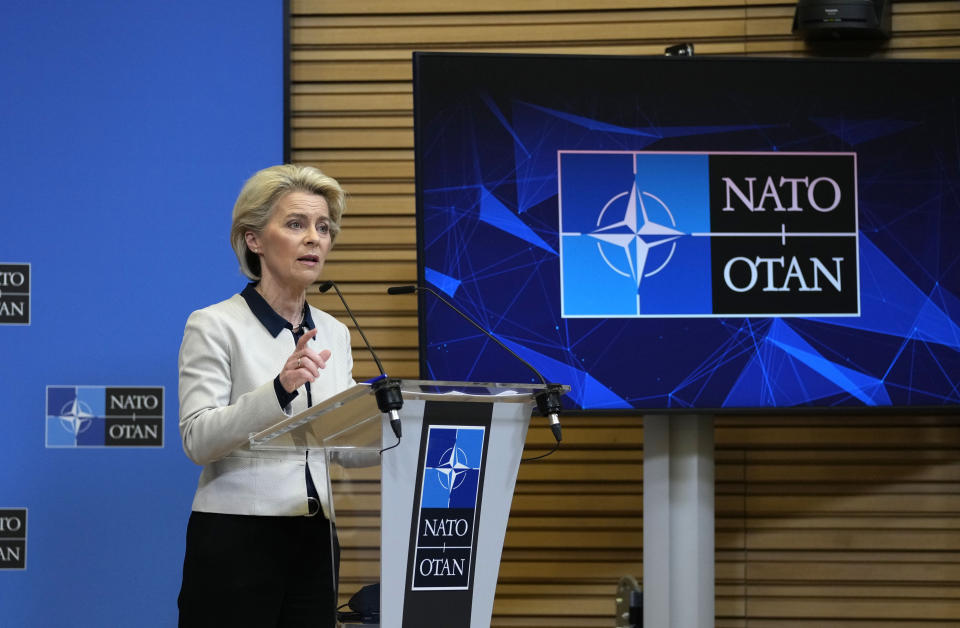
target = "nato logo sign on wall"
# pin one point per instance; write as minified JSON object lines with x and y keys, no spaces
{"x":104,"y":416}
{"x":13,"y":538}
{"x":650,"y":234}
{"x":14,"y":294}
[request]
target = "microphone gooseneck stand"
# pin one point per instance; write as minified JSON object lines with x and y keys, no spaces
{"x":386,"y":389}
{"x":548,"y":400}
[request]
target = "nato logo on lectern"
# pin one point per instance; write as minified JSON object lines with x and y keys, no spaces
{"x":449,"y":489}
{"x":14,"y":294}
{"x":13,"y":538}
{"x":655,"y":234}
{"x":104,"y":416}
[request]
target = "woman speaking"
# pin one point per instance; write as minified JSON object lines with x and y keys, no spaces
{"x":259,"y":548}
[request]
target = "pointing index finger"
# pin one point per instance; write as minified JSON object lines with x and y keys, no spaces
{"x":305,"y":338}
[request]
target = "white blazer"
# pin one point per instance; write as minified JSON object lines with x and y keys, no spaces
{"x":228,"y":361}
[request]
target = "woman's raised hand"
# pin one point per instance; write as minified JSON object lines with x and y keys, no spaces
{"x":303,"y":365}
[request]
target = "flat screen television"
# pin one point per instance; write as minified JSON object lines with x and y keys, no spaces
{"x":693,"y":234}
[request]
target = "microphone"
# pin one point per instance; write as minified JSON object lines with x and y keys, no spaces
{"x":548,"y":400}
{"x":386,"y":389}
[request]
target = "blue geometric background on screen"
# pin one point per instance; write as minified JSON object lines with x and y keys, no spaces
{"x":452,"y":467}
{"x":490,"y":197}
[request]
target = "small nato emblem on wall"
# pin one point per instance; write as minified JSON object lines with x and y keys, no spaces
{"x":13,"y":538}
{"x":104,"y":416}
{"x":14,"y":294}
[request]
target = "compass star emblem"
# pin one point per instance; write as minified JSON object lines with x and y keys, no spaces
{"x":76,"y":416}
{"x":636,"y":235}
{"x":453,"y":467}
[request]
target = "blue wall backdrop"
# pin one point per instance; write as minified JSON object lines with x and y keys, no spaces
{"x":126,"y":131}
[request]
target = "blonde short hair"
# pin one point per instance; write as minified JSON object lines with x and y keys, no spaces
{"x":260,"y":195}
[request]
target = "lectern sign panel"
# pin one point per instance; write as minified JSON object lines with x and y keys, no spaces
{"x":446,"y":514}
{"x":443,"y":554}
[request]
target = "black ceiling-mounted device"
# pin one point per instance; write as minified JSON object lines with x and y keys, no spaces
{"x":842,"y":19}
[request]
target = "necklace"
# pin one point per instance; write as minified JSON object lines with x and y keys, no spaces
{"x":299,"y":323}
{"x":296,"y":328}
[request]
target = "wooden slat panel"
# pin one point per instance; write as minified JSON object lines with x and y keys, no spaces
{"x":817,"y":571}
{"x":352,"y":122}
{"x":839,"y":521}
{"x":352,"y":70}
{"x":837,"y":436}
{"x":369,"y":303}
{"x":376,"y":236}
{"x":384,"y":188}
{"x":721,"y":24}
{"x":867,"y":473}
{"x":633,"y":47}
{"x":440,"y":7}
{"x":884,"y":522}
{"x":541,"y":21}
{"x":871,"y":608}
{"x":351,"y":138}
{"x":356,"y":102}
{"x":372,"y":270}
{"x":378,"y":204}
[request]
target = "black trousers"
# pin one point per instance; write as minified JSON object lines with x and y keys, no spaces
{"x":260,"y":572}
